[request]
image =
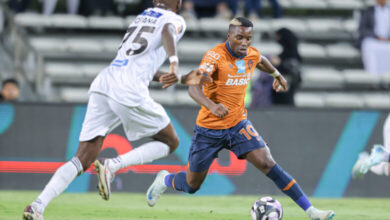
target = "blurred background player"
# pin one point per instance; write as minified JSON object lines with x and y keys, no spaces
{"x":49,"y":6}
{"x":378,"y":161}
{"x":9,"y":91}
{"x":374,"y":37}
{"x":222,"y":121}
{"x":119,"y":94}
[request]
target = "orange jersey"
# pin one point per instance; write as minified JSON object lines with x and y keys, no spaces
{"x":231,"y":76}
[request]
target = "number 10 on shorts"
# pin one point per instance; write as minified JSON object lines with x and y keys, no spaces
{"x":250,"y":132}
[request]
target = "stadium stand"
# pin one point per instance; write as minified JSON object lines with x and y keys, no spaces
{"x":70,"y":50}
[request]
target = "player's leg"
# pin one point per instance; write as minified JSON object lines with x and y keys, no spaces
{"x":383,"y":168}
{"x":147,"y":120}
{"x":378,"y":160}
{"x":205,"y":147}
{"x":97,"y":123}
{"x":248,"y":144}
{"x":188,"y":182}
{"x":86,"y":154}
{"x":166,"y":141}
{"x":262,"y":159}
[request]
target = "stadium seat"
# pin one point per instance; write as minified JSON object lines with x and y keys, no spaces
{"x":108,"y":22}
{"x":312,"y":50}
{"x":194,"y":50}
{"x":84,"y":45}
{"x":262,"y":26}
{"x":304,"y":99}
{"x":93,"y":69}
{"x":285,"y":3}
{"x":111,"y":45}
{"x":192,"y":25}
{"x":60,"y":70}
{"x":360,"y":78}
{"x":344,"y":100}
{"x":293,"y":24}
{"x":67,"y":21}
{"x":317,"y":4}
{"x":346,"y":4}
{"x":351,"y":25}
{"x":324,"y":25}
{"x":32,"y":20}
{"x":377,"y":100}
{"x":70,"y":94}
{"x":342,"y":51}
{"x":214,"y":24}
{"x":322,"y":78}
{"x":268,"y":48}
{"x":385,"y":79}
{"x":49,"y":44}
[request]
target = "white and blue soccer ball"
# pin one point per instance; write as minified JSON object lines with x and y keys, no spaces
{"x":267,"y":208}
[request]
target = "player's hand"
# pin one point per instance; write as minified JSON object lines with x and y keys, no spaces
{"x":219,"y":110}
{"x":196,"y":77}
{"x":171,"y":78}
{"x":280,"y":84}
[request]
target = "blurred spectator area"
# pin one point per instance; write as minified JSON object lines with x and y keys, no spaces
{"x":61,"y":54}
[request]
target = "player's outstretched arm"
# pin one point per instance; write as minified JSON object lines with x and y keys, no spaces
{"x":280,"y":83}
{"x":165,"y":78}
{"x":196,"y":93}
{"x":195,"y":77}
{"x":168,"y":36}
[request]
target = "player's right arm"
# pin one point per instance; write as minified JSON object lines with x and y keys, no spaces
{"x":207,"y":68}
{"x":197,"y":94}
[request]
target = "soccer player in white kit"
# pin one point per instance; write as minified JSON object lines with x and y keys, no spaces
{"x":119,"y":94}
{"x":378,"y":161}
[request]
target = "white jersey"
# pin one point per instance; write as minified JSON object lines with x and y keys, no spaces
{"x":139,"y":57}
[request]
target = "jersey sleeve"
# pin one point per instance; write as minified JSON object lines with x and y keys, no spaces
{"x":179,"y":23}
{"x":209,"y":62}
{"x":258,"y":54}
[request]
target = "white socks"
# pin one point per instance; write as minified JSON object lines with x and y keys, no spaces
{"x":145,"y":153}
{"x":58,"y":183}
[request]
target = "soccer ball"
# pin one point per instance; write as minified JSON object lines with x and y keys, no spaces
{"x":267,"y":208}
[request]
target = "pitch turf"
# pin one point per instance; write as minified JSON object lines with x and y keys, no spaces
{"x":175,"y":206}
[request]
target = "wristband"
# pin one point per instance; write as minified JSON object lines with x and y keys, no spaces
{"x":173,"y":59}
{"x":275,"y":74}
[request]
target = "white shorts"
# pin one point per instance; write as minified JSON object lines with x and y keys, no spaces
{"x":104,"y":114}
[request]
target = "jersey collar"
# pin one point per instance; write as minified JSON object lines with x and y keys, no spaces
{"x":231,"y":52}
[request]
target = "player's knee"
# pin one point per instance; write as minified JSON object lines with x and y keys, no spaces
{"x":173,"y":143}
{"x":266,"y":165}
{"x":192,"y":190}
{"x":193,"y":186}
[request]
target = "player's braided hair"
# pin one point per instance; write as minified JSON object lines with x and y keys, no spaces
{"x":240,"y":21}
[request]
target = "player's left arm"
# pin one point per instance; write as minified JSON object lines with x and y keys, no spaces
{"x":280,"y":83}
{"x":195,"y":77}
{"x":168,"y":38}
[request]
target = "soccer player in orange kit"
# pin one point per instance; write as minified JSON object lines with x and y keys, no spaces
{"x":222,"y":121}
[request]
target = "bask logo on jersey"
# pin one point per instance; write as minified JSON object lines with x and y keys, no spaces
{"x":239,"y":80}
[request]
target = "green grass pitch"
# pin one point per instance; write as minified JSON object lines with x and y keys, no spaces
{"x":176,"y":206}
